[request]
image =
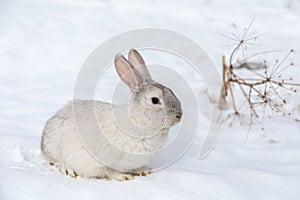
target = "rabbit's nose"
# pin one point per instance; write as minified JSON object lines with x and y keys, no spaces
{"x":179,"y":115}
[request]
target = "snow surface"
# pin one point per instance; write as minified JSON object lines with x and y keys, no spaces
{"x":42,"y":46}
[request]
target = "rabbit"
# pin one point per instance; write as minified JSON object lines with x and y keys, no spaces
{"x":152,"y":109}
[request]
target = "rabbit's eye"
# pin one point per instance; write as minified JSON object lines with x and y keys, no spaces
{"x":155,"y":100}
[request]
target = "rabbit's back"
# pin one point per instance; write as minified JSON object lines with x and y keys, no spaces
{"x":61,"y":144}
{"x":54,"y":131}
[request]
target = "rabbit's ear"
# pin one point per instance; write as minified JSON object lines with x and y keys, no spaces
{"x":139,"y":64}
{"x":127,"y":73}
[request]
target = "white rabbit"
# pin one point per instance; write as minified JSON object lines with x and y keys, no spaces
{"x":139,"y":128}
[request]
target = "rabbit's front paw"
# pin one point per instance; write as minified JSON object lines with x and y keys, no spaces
{"x":143,"y":171}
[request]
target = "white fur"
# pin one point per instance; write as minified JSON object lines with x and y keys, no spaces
{"x":62,"y":146}
{"x":129,"y":136}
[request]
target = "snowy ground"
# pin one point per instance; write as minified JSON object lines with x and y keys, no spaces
{"x":42,"y":46}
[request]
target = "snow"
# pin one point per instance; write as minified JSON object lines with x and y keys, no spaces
{"x":42,"y":47}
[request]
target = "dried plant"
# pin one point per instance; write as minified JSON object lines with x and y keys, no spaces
{"x":262,"y":87}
